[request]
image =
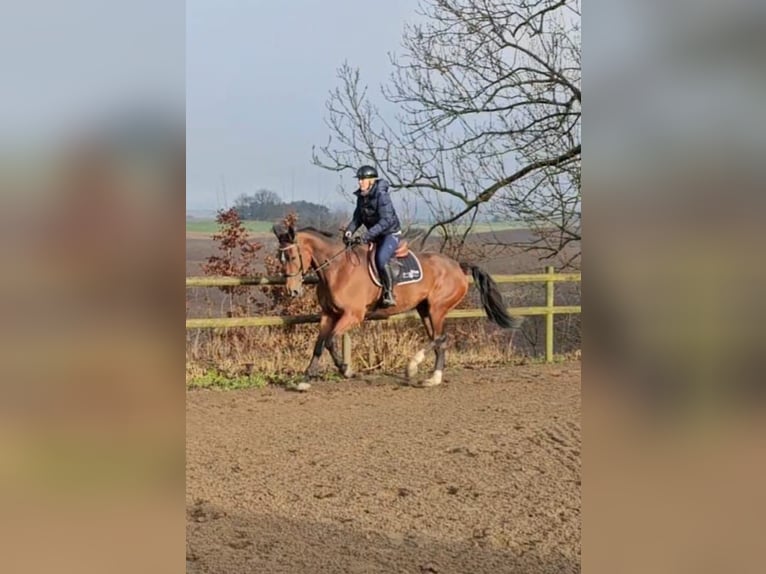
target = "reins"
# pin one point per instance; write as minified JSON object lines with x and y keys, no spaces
{"x":303,"y":273}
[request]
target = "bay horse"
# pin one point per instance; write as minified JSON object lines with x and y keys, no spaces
{"x":346,"y":293}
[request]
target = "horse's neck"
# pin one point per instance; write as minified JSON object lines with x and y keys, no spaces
{"x":320,"y":251}
{"x":339,"y":273}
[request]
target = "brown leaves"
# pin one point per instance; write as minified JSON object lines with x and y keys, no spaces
{"x":237,"y":253}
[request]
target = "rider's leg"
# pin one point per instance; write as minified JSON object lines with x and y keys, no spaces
{"x":386,"y":248}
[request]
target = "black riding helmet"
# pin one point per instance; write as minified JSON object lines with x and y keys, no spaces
{"x":366,"y":171}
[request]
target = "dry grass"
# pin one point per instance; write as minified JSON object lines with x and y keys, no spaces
{"x":286,"y":351}
{"x":281,"y":353}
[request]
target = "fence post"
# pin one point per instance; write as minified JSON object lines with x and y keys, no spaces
{"x":549,"y":316}
{"x":347,"y":349}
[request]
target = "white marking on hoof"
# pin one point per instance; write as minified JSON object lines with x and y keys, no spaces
{"x":435,"y":380}
{"x":301,"y":387}
{"x":412,"y":366}
{"x":348,"y":372}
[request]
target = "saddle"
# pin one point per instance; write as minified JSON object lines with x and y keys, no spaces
{"x":405,"y":266}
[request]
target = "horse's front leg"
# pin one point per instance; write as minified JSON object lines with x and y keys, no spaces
{"x":326,"y":324}
{"x":350,"y":318}
{"x":337,"y":356}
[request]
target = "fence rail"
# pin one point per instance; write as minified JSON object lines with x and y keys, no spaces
{"x":550,"y":278}
{"x":312,"y":279}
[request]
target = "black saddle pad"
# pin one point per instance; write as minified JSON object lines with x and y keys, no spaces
{"x":406,"y":269}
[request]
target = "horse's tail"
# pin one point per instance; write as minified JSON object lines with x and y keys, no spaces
{"x":491,"y":298}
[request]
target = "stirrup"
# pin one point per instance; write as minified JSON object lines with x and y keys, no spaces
{"x":388,"y":300}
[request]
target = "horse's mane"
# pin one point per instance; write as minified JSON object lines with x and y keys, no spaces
{"x":317,"y":231}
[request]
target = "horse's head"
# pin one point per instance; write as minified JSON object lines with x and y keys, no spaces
{"x":294,"y":258}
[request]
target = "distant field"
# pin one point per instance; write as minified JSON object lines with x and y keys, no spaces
{"x":484,"y":227}
{"x":210,"y":226}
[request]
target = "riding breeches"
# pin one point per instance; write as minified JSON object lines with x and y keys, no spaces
{"x":386,"y":246}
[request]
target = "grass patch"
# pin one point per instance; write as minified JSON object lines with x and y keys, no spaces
{"x":217,"y":379}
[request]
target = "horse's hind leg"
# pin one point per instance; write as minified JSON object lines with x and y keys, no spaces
{"x":439,"y":344}
{"x":417,"y":358}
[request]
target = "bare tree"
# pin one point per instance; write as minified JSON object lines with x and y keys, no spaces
{"x":488,"y":106}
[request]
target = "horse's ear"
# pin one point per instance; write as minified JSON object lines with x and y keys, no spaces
{"x":291,"y":233}
{"x":279,"y":230}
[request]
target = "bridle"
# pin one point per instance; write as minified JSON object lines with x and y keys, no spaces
{"x":318,"y":268}
{"x":300,"y":271}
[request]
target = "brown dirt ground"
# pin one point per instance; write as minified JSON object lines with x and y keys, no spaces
{"x":481,"y":474}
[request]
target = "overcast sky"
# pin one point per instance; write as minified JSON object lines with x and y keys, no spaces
{"x":69,"y":65}
{"x":258,"y":76}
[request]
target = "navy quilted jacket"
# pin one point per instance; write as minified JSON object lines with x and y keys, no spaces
{"x":376,"y":212}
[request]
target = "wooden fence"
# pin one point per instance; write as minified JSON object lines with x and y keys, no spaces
{"x":550,"y":278}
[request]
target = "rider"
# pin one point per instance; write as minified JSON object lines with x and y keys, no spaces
{"x":375,"y":211}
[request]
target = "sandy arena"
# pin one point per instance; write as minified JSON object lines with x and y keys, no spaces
{"x":481,"y":474}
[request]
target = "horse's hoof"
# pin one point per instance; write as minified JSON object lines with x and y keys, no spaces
{"x":428,"y":383}
{"x":434,"y":381}
{"x":346,"y":372}
{"x":301,"y":387}
{"x":412,"y":366}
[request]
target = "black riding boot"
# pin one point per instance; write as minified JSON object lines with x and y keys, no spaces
{"x":387,"y":279}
